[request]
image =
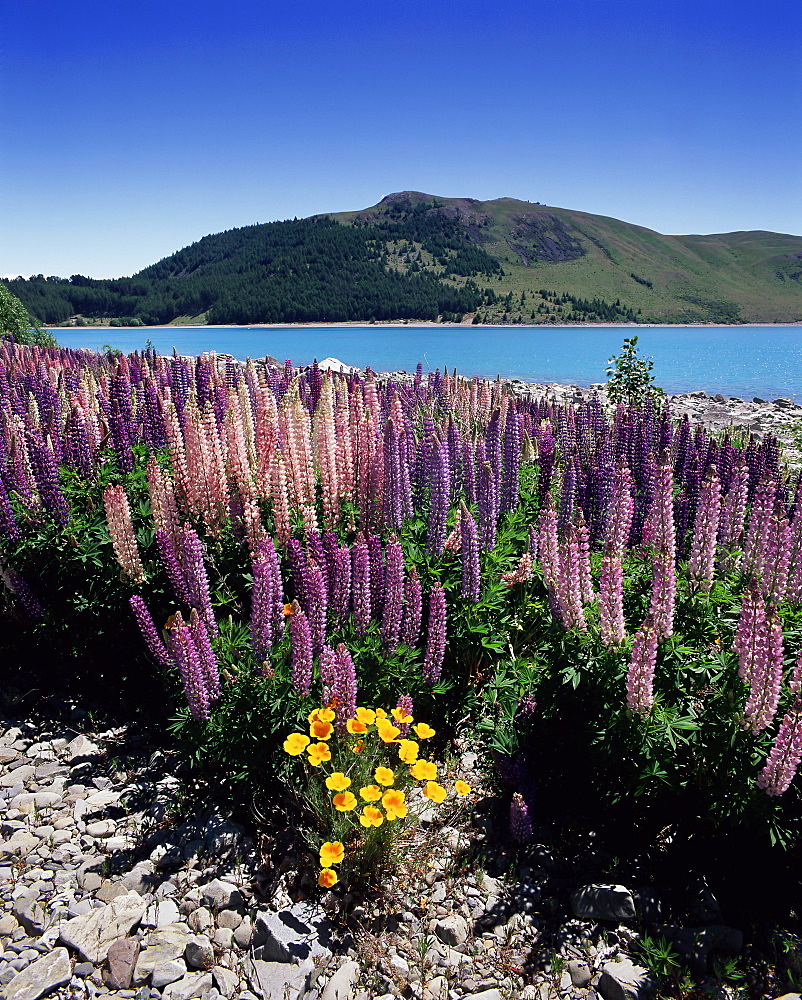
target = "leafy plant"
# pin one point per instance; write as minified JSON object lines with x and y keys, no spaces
{"x":629,"y":376}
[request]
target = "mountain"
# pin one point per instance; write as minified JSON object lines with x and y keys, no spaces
{"x":418,"y":257}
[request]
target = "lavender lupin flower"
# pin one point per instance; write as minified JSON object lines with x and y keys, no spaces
{"x":341,"y":583}
{"x":488,"y":508}
{"x":360,"y":585}
{"x":750,"y":635}
{"x":520,"y":821}
{"x":208,"y":661}
{"x":394,"y":594}
{"x":436,"y":637}
{"x":301,"y":650}
{"x":172,"y":566}
{"x":197,"y":579}
{"x":703,"y":548}
{"x":376,"y":574}
{"x":766,"y":680}
{"x":413,"y":609}
{"x":439,"y":499}
{"x":149,"y":632}
{"x":262,"y":601}
{"x":405,"y":708}
{"x":471,"y":573}
{"x":189,"y":665}
{"x":316,"y":606}
{"x":785,"y":754}
{"x":512,"y":460}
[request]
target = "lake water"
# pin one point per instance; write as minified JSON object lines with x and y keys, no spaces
{"x":742,"y":361}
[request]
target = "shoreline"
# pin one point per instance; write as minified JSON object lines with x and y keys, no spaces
{"x":418,"y":324}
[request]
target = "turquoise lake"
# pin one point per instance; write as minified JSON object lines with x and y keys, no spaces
{"x":742,"y":361}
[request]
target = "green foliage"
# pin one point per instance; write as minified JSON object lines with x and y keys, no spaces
{"x":629,"y":376}
{"x":15,"y":323}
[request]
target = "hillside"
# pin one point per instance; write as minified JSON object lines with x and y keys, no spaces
{"x":417,"y":257}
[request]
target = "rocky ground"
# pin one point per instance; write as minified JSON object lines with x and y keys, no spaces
{"x":113,"y":882}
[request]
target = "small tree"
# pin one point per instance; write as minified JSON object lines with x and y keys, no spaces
{"x":629,"y":376}
{"x":16,"y":324}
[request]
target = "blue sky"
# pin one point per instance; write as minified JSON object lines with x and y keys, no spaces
{"x":130,"y":129}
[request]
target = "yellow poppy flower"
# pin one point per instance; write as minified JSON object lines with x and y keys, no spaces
{"x":408,"y":751}
{"x":318,"y":752}
{"x":331,"y":853}
{"x":384,"y":775}
{"x":344,"y":802}
{"x":296,"y":743}
{"x":371,"y":816}
{"x":320,"y":730}
{"x":338,"y":782}
{"x":355,"y":727}
{"x":380,"y":714}
{"x":462,"y":788}
{"x":323,"y":714}
{"x":400,"y":715}
{"x":423,"y":770}
{"x":371,"y":793}
{"x":358,"y":747}
{"x":434,"y":791}
{"x":394,"y":804}
{"x":327,"y":878}
{"x":422,"y":731}
{"x":387,"y":731}
{"x":366,"y":715}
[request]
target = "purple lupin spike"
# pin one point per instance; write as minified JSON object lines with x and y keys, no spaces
{"x":149,"y":632}
{"x":197,"y":578}
{"x":436,"y":635}
{"x":208,"y":661}
{"x":413,"y":609}
{"x":471,"y":573}
{"x":394,"y":595}
{"x":360,"y":585}
{"x":300,"y":650}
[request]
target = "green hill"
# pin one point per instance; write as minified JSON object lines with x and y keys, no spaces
{"x":418,"y":257}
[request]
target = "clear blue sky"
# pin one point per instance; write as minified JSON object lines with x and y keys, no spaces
{"x":130,"y":129}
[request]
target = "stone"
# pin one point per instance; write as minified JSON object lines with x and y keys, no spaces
{"x":8,"y":924}
{"x":121,"y":957}
{"x":301,"y":931}
{"x":225,"y":980}
{"x":83,"y":969}
{"x":20,"y":843}
{"x":221,"y":895}
{"x":81,"y":747}
{"x":493,"y":994}
{"x":603,"y":902}
{"x":19,"y":775}
{"x":579,"y":972}
{"x":193,"y":984}
{"x":452,"y":930}
{"x":243,"y":933}
{"x":342,"y":983}
{"x":223,"y":938}
{"x":161,"y":914}
{"x":91,"y":935}
{"x":199,"y":953}
{"x":40,"y":977}
{"x":274,"y":980}
{"x":101,"y":828}
{"x":166,"y":973}
{"x":229,"y":919}
{"x":201,"y":920}
{"x":163,"y":945}
{"x":625,"y":981}
{"x":434,"y":989}
{"x":694,"y":944}
{"x":29,"y":802}
{"x":29,"y":913}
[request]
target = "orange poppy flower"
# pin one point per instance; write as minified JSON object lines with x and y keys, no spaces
{"x":337,"y":782}
{"x":287,"y":610}
{"x":423,"y":770}
{"x":320,"y":730}
{"x":394,"y":804}
{"x":422,"y":731}
{"x":355,"y":727}
{"x":408,"y":751}
{"x":358,"y":747}
{"x":321,"y":714}
{"x":327,"y":878}
{"x":371,"y":816}
{"x":462,"y":788}
{"x":384,"y":775}
{"x":380,"y":714}
{"x":387,"y":731}
{"x":371,"y":793}
{"x":318,"y":752}
{"x":344,"y":802}
{"x":366,"y":715}
{"x":331,"y":853}
{"x":296,"y":743}
{"x":400,"y":715}
{"x":434,"y":791}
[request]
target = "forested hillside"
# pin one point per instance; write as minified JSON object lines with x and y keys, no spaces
{"x":415,"y":257}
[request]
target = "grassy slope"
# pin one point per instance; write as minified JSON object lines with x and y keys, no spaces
{"x":694,"y":278}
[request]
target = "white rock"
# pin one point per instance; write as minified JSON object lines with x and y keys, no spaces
{"x":92,"y":934}
{"x":40,"y":977}
{"x":341,"y":985}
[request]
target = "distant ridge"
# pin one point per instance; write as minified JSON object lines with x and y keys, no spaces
{"x":416,"y":256}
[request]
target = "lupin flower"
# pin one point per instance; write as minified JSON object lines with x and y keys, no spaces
{"x":471,"y":572}
{"x":189,"y":664}
{"x":413,"y":608}
{"x":640,"y":676}
{"x":360,"y":585}
{"x":785,"y":754}
{"x":766,"y":679}
{"x":121,"y":530}
{"x":197,"y":578}
{"x":436,"y":638}
{"x":149,"y":632}
{"x":439,"y":498}
{"x":208,"y":660}
{"x":705,"y":530}
{"x":394,"y":594}
{"x":403,"y":711}
{"x":523,"y":571}
{"x":520,"y":819}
